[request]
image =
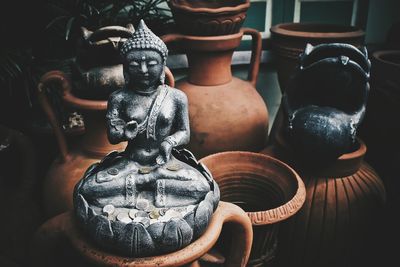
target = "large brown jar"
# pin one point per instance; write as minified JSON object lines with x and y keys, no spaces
{"x":226,"y":113}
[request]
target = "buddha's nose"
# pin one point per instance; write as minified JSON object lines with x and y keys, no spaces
{"x":143,"y":67}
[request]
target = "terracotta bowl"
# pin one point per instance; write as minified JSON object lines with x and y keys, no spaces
{"x":267,"y":189}
{"x":207,"y":18}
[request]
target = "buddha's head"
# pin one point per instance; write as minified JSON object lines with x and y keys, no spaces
{"x":144,"y":58}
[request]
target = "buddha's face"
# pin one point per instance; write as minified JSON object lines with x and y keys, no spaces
{"x":144,"y":68}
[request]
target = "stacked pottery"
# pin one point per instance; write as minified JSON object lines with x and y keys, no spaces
{"x":267,"y":189}
{"x":242,"y":120}
{"x":290,"y":39}
{"x":209,"y":17}
{"x":67,"y":169}
{"x":339,"y":222}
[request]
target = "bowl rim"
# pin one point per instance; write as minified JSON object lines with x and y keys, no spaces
{"x":378,"y":56}
{"x":226,"y":9}
{"x":281,"y":212}
{"x":353,"y":32}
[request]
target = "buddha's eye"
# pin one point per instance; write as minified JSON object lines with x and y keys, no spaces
{"x":134,"y":64}
{"x":152,"y":62}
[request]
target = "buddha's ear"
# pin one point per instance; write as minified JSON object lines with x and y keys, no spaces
{"x":162,"y":77}
{"x":126,"y":75}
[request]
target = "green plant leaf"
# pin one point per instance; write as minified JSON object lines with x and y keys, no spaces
{"x":52,"y":22}
{"x":68,"y":28}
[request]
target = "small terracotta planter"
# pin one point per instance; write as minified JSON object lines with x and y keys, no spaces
{"x":290,"y":39}
{"x":266,"y":188}
{"x":207,"y":18}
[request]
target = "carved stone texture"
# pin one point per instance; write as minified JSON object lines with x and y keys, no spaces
{"x":154,"y":197}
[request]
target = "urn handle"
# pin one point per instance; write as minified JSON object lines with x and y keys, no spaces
{"x":256,"y":47}
{"x":59,"y":78}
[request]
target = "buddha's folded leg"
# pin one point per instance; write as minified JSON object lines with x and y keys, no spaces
{"x":171,"y":192}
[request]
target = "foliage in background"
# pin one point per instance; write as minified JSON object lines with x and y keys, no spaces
{"x":92,"y":14}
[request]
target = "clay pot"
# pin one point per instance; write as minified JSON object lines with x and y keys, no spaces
{"x":226,"y":113}
{"x":207,"y":18}
{"x":380,"y":130}
{"x":266,"y":188}
{"x":289,"y":41}
{"x":57,"y":241}
{"x":339,"y":222}
{"x":18,"y":196}
{"x":98,"y":67}
{"x":69,"y":167}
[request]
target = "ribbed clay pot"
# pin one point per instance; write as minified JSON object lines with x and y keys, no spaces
{"x":208,"y":18}
{"x":339,"y":223}
{"x":267,"y":189}
{"x":67,"y":169}
{"x":226,"y":113}
{"x":289,"y":41}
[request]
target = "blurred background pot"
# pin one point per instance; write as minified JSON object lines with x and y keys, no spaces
{"x":266,"y":188}
{"x":226,"y":113}
{"x":380,"y":129}
{"x":207,"y":17}
{"x":18,"y":195}
{"x":290,"y":39}
{"x":98,"y":65}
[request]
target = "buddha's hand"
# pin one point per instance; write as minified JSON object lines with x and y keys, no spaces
{"x":165,"y":153}
{"x":131,"y":130}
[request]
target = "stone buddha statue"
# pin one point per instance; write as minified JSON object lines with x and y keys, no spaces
{"x":154,"y":197}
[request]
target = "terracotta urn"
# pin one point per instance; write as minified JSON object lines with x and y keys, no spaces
{"x":18,"y":195}
{"x":339,"y":222}
{"x":289,"y":41}
{"x":267,"y":189}
{"x":226,"y":113}
{"x":74,"y":159}
{"x":61,"y":242}
{"x":207,"y":17}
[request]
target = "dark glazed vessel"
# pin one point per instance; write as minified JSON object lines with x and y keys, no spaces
{"x":226,"y":113}
{"x":98,"y":66}
{"x":289,"y":41}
